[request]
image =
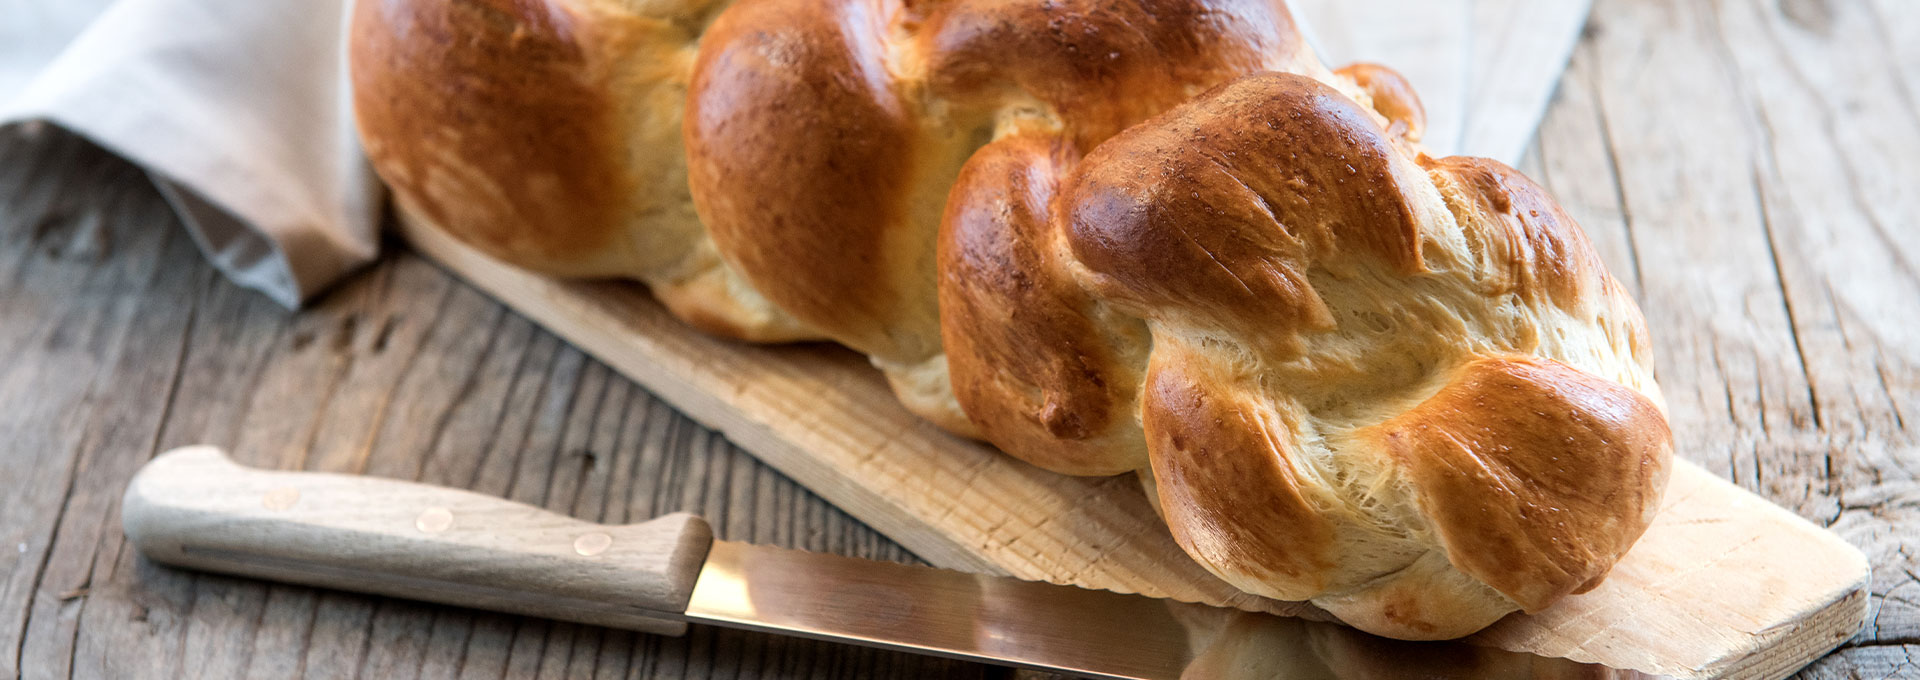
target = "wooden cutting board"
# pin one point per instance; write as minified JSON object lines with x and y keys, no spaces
{"x":1723,"y":585}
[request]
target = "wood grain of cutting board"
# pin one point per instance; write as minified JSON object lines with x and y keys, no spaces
{"x":1723,"y":585}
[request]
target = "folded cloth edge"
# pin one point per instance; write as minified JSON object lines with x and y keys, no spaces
{"x":262,"y":186}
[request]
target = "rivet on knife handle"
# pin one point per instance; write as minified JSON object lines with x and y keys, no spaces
{"x":194,"y":507}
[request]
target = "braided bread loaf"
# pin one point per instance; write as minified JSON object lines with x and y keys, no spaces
{"x":1105,"y":235}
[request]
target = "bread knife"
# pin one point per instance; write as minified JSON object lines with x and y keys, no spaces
{"x":194,"y":507}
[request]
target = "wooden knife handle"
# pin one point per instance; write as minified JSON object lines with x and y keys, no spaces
{"x":194,"y":507}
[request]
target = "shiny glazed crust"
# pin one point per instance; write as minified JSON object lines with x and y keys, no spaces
{"x":1151,"y":236}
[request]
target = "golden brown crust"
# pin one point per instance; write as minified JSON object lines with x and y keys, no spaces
{"x":1392,"y":96}
{"x":1230,"y":486}
{"x":1030,"y":364}
{"x":817,"y":133}
{"x":824,"y":137}
{"x":1521,"y":236}
{"x":1101,"y":66}
{"x":1181,"y":218}
{"x":1310,"y":286}
{"x":1535,"y":476}
{"x":1428,"y":599}
{"x":1402,"y":387}
{"x":537,"y":178}
{"x":548,"y":135}
{"x":800,"y":154}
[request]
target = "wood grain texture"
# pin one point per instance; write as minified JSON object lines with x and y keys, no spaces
{"x":1430,"y":42}
{"x":1737,"y":164}
{"x":1515,"y":43}
{"x":1677,"y":124}
{"x":122,"y":342}
{"x":822,"y":415}
{"x":1722,"y":585}
{"x":194,"y":508}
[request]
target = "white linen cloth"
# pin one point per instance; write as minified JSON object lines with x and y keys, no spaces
{"x":239,"y":109}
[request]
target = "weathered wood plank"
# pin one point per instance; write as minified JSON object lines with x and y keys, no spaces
{"x":1758,"y":156}
{"x":1890,"y":41}
{"x":1572,"y":158}
{"x":1516,"y":44}
{"x":1761,"y":149}
{"x":95,"y":347}
{"x":1875,"y":661}
{"x":1838,"y":160}
{"x":135,"y":346}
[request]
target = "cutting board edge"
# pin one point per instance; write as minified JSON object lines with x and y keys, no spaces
{"x":1742,"y":662}
{"x":1828,"y":627}
{"x":704,"y":408}
{"x":1752,"y":662}
{"x":1766,"y":653}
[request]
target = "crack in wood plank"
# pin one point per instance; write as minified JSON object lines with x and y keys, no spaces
{"x":1836,"y":446}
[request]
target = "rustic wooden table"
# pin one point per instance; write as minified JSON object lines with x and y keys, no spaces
{"x":1750,"y":169}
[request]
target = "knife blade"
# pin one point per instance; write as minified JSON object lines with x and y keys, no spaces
{"x":194,"y":507}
